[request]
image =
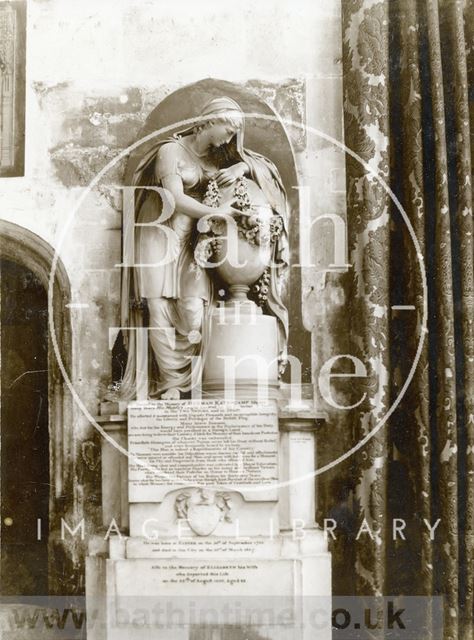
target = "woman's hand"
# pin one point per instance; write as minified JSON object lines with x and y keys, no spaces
{"x":227,"y":209}
{"x":226,"y":177}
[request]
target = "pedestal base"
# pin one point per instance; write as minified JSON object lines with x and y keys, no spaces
{"x":215,"y":589}
{"x":229,"y":371}
{"x":263,"y":573}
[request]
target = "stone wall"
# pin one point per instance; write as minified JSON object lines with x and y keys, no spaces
{"x":95,"y":70}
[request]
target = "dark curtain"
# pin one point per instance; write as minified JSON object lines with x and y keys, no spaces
{"x":408,"y":114}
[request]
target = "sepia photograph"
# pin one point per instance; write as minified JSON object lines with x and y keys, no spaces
{"x":237,"y":320}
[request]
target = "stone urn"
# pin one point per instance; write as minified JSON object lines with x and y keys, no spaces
{"x":242,"y":250}
{"x":242,"y":357}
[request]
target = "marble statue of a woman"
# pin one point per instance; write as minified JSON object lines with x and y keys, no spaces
{"x":173,"y":296}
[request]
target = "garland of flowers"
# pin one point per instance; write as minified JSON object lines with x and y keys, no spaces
{"x":212,"y":196}
{"x":249,"y":228}
{"x":261,"y":288}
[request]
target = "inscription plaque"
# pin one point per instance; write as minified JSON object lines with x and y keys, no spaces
{"x":209,"y":547}
{"x":212,"y":443}
{"x":233,"y":588}
{"x":163,"y":577}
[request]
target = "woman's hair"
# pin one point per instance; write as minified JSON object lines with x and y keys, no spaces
{"x":233,"y":118}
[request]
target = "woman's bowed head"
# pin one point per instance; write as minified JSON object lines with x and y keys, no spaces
{"x":176,"y":296}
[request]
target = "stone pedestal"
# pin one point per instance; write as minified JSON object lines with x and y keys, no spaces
{"x":221,"y":542}
{"x":241,"y":361}
{"x":278,"y":589}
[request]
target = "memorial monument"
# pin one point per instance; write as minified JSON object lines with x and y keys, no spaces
{"x":210,"y":517}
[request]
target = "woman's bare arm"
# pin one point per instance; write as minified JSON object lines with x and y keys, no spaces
{"x":188,"y":205}
{"x":225,"y":177}
{"x":184,"y":204}
{"x":167,"y":174}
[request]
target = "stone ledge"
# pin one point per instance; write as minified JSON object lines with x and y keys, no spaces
{"x":300,"y":416}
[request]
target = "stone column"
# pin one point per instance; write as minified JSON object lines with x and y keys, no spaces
{"x":297,"y":466}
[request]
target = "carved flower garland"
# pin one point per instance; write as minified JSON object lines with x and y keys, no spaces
{"x":250,"y":227}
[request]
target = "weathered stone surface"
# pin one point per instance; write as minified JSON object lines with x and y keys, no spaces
{"x":288,"y":100}
{"x":76,"y":165}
